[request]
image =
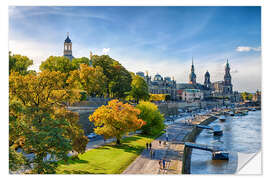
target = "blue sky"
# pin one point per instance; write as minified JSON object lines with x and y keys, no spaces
{"x":158,"y":39}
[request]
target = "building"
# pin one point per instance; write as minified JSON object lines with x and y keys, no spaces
{"x":68,"y":48}
{"x":160,"y":85}
{"x":225,"y":87}
{"x":257,"y":97}
{"x":203,"y":91}
{"x":190,"y":95}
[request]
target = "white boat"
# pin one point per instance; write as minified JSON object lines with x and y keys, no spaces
{"x":222,"y":118}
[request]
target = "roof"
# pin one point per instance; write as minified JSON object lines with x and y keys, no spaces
{"x":67,"y":40}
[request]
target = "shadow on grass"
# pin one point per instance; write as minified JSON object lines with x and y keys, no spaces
{"x":127,"y":148}
{"x":73,"y":161}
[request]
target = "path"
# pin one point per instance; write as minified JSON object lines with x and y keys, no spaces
{"x":172,"y":152}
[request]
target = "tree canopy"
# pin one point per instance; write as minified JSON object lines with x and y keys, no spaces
{"x":78,"y":61}
{"x":139,"y":88}
{"x":118,"y":81}
{"x":39,"y":122}
{"x":90,"y":79}
{"x":152,"y":116}
{"x":19,"y":63}
{"x":58,"y":63}
{"x":116,"y":119}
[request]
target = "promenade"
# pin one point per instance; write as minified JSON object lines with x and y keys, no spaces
{"x":172,"y":151}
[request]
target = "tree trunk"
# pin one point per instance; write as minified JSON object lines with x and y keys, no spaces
{"x":118,"y":141}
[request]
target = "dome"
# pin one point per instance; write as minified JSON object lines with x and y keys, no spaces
{"x":158,"y":77}
{"x":67,"y":40}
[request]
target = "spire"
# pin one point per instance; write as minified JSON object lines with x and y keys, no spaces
{"x":67,"y":34}
{"x":192,"y":61}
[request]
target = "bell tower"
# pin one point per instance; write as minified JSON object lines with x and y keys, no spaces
{"x":192,"y":75}
{"x":68,"y":48}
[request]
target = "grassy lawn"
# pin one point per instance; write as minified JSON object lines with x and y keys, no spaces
{"x":108,"y":159}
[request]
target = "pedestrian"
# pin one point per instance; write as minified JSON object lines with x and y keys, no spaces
{"x":150,"y":145}
{"x":164,"y":163}
{"x":146,"y":146}
{"x":159,"y":142}
{"x":167,"y":138}
{"x":160,"y":164}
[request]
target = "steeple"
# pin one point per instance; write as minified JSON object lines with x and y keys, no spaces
{"x":227,"y":89}
{"x":207,"y":82}
{"x":192,"y":75}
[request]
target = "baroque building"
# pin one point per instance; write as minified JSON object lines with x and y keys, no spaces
{"x":68,"y":48}
{"x":160,"y":85}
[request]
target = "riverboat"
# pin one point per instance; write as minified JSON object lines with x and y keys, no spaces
{"x":222,"y":118}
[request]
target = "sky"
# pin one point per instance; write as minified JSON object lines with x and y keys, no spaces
{"x":155,"y":39}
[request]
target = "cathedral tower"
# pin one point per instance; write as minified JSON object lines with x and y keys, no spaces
{"x":68,"y":48}
{"x":207,"y":82}
{"x":192,"y":75}
{"x":227,"y":89}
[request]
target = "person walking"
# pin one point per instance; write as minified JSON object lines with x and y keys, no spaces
{"x":160,"y":164}
{"x":147,"y":146}
{"x":159,"y":142}
{"x":150,"y":146}
{"x":163,"y":163}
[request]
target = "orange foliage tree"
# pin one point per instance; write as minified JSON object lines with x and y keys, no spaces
{"x":116,"y":119}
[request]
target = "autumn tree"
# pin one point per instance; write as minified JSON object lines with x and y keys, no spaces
{"x":139,"y":88}
{"x":116,"y":119}
{"x":118,"y":81}
{"x":90,"y":79}
{"x":39,"y":121}
{"x":152,"y":116}
{"x":78,"y":61}
{"x":57,"y":63}
{"x":19,"y":63}
{"x":157,"y":97}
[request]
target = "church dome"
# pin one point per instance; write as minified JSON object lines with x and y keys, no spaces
{"x":158,"y":77}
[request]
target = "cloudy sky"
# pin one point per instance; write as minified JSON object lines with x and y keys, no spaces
{"x":157,"y":39}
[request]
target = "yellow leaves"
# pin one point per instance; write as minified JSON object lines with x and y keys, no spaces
{"x":157,"y":97}
{"x":44,"y":89}
{"x":116,"y":118}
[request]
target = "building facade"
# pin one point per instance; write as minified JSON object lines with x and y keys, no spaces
{"x":160,"y":85}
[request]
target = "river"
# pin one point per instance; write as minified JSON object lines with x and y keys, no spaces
{"x":240,"y":134}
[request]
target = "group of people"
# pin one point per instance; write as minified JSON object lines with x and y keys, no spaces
{"x":152,"y":151}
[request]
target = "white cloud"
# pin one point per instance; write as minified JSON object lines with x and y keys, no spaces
{"x":106,"y":50}
{"x":247,"y":48}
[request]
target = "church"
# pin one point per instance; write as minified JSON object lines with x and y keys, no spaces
{"x":68,"y":48}
{"x":192,"y":90}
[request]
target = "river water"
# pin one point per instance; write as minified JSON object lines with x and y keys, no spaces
{"x":240,"y":134}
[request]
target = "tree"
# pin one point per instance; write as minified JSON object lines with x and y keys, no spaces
{"x":58,"y":63}
{"x":118,"y":78}
{"x":152,"y":116}
{"x":116,"y":119}
{"x":139,"y":89}
{"x":39,"y":122}
{"x":78,"y":61}
{"x":246,"y":96}
{"x":19,"y":63}
{"x":90,"y":79}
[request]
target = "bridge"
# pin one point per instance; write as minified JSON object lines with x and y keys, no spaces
{"x":217,"y":152}
{"x":203,"y":147}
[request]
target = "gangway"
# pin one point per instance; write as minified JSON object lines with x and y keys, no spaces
{"x":217,"y":152}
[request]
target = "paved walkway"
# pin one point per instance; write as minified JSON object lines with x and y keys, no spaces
{"x":172,"y":151}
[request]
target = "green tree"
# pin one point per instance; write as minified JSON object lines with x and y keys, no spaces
{"x":19,"y":63}
{"x":39,"y":122}
{"x":118,"y":78}
{"x":139,"y":89}
{"x":90,"y":79}
{"x":78,"y":61}
{"x":57,"y":63}
{"x":152,"y":116}
{"x":116,"y":119}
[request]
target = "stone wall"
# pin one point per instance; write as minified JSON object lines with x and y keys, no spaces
{"x":191,"y":137}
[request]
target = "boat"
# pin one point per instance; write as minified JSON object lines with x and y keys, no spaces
{"x":220,"y":155}
{"x":217,"y":131}
{"x":222,"y":118}
{"x":231,"y":113}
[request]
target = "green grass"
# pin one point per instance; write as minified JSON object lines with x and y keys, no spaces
{"x":107,"y":159}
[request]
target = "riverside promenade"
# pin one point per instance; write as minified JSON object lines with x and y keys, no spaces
{"x":172,"y":151}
